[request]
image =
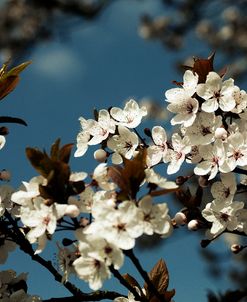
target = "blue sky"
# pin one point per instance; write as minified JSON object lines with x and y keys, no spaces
{"x":98,"y":65}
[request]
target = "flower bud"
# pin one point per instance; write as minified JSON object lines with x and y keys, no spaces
{"x":181,"y":180}
{"x":203,"y":181}
{"x":236,"y":248}
{"x":148,"y":132}
{"x":205,"y":243}
{"x":193,"y":225}
{"x":72,"y":210}
{"x":5,"y":175}
{"x":180,"y":218}
{"x":220,"y":133}
{"x":67,"y":241}
{"x":4,"y":131}
{"x":100,"y":155}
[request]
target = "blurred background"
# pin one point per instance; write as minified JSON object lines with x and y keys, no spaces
{"x":90,"y":54}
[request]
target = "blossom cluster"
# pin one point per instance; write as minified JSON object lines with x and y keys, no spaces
{"x":212,"y":119}
{"x":115,"y":222}
{"x":109,"y":209}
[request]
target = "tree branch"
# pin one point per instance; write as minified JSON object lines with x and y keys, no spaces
{"x":120,"y":278}
{"x":78,"y":295}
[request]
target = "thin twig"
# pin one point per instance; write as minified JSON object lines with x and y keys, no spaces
{"x":120,"y":278}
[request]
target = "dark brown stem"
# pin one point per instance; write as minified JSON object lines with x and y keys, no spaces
{"x":120,"y":278}
{"x":162,"y":192}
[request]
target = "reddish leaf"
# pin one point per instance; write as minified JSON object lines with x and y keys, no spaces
{"x":57,"y":172}
{"x":9,"y":79}
{"x":129,"y":177}
{"x":54,"y":149}
{"x":64,"y":153}
{"x":167,"y":296}
{"x":202,"y":67}
{"x":132,"y":281}
{"x":159,"y":276}
{"x":116,"y":174}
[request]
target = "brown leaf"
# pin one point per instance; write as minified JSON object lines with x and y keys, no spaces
{"x":202,"y":67}
{"x":64,"y":153}
{"x":115,"y":173}
{"x":7,"y":85}
{"x":9,"y":79}
{"x":129,"y":177}
{"x":167,"y":296}
{"x":132,"y":281}
{"x":159,"y":276}
{"x":39,"y":160}
{"x":54,"y":149}
{"x":57,"y":172}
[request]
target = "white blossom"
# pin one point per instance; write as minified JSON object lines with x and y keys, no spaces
{"x":100,"y":174}
{"x":181,"y":101}
{"x":131,"y":297}
{"x":77,"y":176}
{"x":97,"y":247}
{"x":84,"y":200}
{"x":236,"y":150}
{"x":216,"y":93}
{"x":100,"y":129}
{"x":240,"y":98}
{"x":157,"y":152}
{"x":155,"y":217}
{"x":2,"y":141}
{"x":213,"y":160}
{"x":92,"y":271}
{"x":28,"y":191}
{"x":130,"y":116}
{"x":125,"y":144}
{"x":176,"y":155}
{"x":118,"y":226}
{"x":202,"y":131}
{"x":222,"y":215}
{"x":81,"y":143}
{"x":157,"y":179}
{"x":225,"y":189}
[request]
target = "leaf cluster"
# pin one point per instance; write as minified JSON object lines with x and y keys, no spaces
{"x":56,"y":170}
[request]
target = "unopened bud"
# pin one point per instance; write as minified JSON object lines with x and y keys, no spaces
{"x":67,"y":241}
{"x":181,"y":180}
{"x":100,"y":155}
{"x":236,"y":248}
{"x":180,"y":218}
{"x":203,"y":181}
{"x":205,"y":243}
{"x":220,"y":133}
{"x":5,"y":175}
{"x":4,"y":131}
{"x":147,"y":131}
{"x":72,"y":210}
{"x":193,"y":225}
